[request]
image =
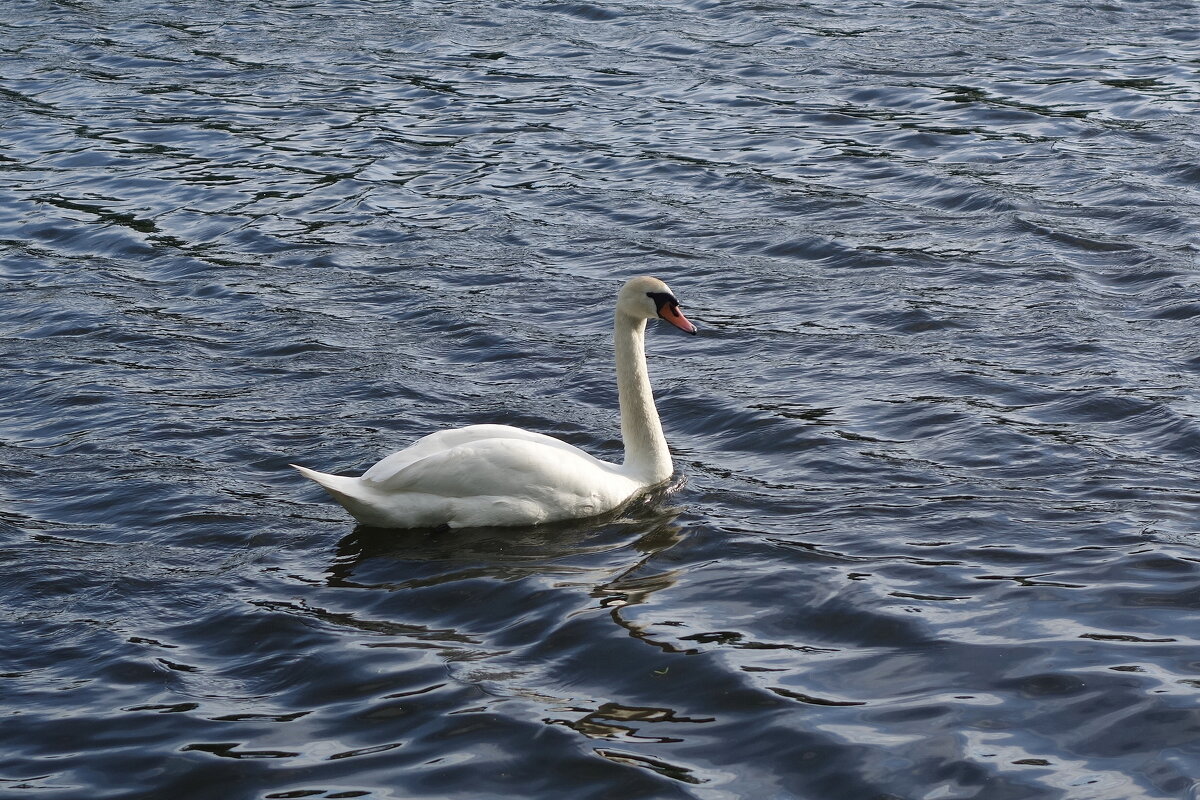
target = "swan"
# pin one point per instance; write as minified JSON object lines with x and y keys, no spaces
{"x":498,"y":475}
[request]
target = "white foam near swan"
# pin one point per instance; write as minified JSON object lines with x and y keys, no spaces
{"x":484,"y":475}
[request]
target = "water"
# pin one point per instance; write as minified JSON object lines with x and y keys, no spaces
{"x":935,"y":531}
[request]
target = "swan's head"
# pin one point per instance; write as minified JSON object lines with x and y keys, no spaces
{"x":646,"y":298}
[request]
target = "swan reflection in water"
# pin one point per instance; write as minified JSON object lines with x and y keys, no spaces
{"x":512,"y":611}
{"x":606,"y":559}
{"x":374,"y":558}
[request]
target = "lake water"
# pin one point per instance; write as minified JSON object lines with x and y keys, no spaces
{"x":935,"y":530}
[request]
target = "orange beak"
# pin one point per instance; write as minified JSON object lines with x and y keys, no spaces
{"x":672,"y":314}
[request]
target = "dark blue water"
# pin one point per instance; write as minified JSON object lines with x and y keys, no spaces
{"x":939,"y":439}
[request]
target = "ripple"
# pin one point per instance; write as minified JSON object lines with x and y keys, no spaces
{"x":932,"y":533}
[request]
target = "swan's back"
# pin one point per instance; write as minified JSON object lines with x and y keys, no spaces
{"x":445,"y":440}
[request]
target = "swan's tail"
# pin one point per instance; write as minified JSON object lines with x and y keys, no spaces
{"x":345,"y":490}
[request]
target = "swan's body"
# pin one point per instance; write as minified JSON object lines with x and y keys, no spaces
{"x":484,"y":475}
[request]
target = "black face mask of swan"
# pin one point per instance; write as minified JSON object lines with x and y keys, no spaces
{"x":485,"y":475}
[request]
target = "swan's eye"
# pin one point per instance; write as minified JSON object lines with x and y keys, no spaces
{"x":663,"y":300}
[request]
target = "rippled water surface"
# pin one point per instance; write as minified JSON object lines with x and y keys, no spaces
{"x":935,"y":531}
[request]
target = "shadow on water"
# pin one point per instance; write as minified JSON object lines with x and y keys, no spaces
{"x":451,"y":595}
{"x":647,"y":525}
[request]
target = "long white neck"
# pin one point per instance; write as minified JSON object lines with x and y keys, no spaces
{"x":646,"y":455}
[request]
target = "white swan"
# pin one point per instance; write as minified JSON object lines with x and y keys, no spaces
{"x":484,"y":475}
